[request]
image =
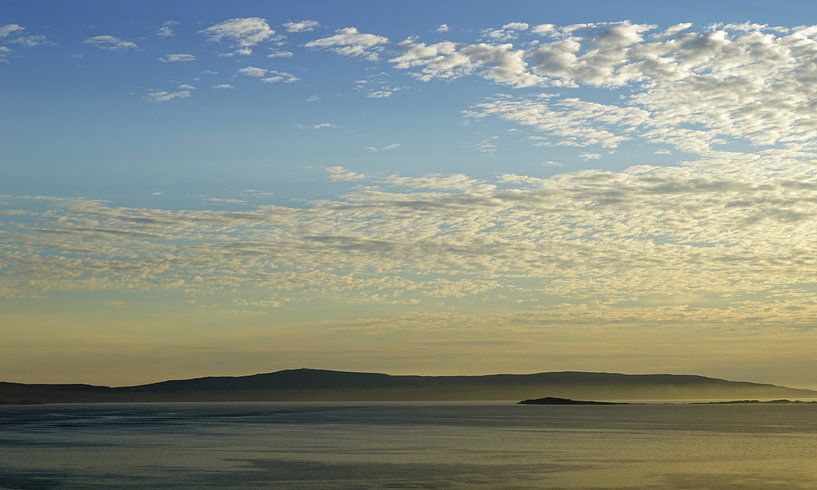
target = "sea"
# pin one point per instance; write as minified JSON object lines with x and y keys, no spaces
{"x":408,"y":445}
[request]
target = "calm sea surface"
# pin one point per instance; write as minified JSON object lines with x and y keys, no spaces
{"x":428,"y":445}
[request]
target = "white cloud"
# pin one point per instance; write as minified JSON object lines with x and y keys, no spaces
{"x":236,"y":52}
{"x":241,"y":33}
{"x":705,"y":243}
{"x":301,"y":25}
{"x":30,"y":41}
{"x":544,"y":29}
{"x":505,"y":33}
{"x":499,"y":63}
{"x":699,"y":89}
{"x":268,"y":76}
{"x":166,"y":29}
{"x":110,"y":43}
{"x":442,"y":28}
{"x":177,"y":58}
{"x":222,"y":86}
{"x":279,"y":77}
{"x":573,"y":122}
{"x":162,"y":96}
{"x":389,"y":147}
{"x":342,"y":174}
{"x":348,"y":41}
{"x":9,"y":29}
{"x":313,"y":98}
{"x":253,"y":71}
{"x":15,"y":34}
{"x":488,"y":145}
{"x":225,"y":200}
{"x":279,"y":53}
{"x":379,"y":94}
{"x":586,"y":156}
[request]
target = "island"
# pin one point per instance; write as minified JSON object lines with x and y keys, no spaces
{"x":552,"y":400}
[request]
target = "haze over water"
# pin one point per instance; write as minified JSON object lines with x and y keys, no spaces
{"x":408,"y":445}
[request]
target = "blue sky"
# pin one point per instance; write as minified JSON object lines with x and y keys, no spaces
{"x":545,"y":185}
{"x":77,"y":122}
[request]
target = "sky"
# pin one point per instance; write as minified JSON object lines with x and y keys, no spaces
{"x":225,"y":188}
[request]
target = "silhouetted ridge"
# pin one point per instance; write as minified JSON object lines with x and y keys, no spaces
{"x":297,"y":379}
{"x":327,"y":385}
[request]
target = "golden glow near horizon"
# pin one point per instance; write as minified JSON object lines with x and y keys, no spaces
{"x":705,"y":264}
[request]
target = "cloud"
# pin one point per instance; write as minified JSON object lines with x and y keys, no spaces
{"x":586,"y":156}
{"x":505,"y":33}
{"x":268,"y":76}
{"x":177,"y":58}
{"x":301,"y":25}
{"x":374,"y":87}
{"x":499,"y":63}
{"x":240,"y":33}
{"x":488,"y":145}
{"x":236,"y":52}
{"x":723,"y":241}
{"x":30,"y":41}
{"x":342,"y":174}
{"x":166,"y":29}
{"x":162,"y":96}
{"x":278,"y":53}
{"x":442,"y":28}
{"x":110,"y":43}
{"x":379,"y":94}
{"x":9,"y":29}
{"x":226,"y":200}
{"x":15,"y":34}
{"x":544,"y":29}
{"x":700,"y":89}
{"x":279,"y":77}
{"x":253,"y":71}
{"x":573,"y":122}
{"x":389,"y":147}
{"x":222,"y":86}
{"x":348,"y":41}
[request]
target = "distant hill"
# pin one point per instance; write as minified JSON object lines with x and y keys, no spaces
{"x":323,"y":385}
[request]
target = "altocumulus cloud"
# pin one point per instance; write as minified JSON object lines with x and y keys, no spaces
{"x":162,"y":96}
{"x":240,"y":33}
{"x":16,"y":35}
{"x":177,"y":58}
{"x":110,"y":43}
{"x":348,"y":41}
{"x":721,"y":233}
{"x":691,"y":89}
{"x":268,"y":76}
{"x":301,"y":25}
